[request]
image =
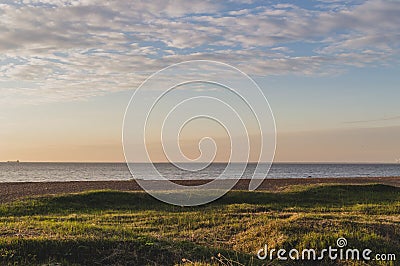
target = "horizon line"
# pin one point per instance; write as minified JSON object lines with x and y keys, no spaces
{"x":160,"y":162}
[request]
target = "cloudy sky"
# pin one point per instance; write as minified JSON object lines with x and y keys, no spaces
{"x":329,"y":68}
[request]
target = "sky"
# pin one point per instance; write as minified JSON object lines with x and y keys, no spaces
{"x":329,"y":69}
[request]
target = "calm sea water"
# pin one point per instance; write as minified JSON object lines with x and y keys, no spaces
{"x":39,"y":172}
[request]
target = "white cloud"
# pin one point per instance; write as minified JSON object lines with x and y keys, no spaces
{"x":63,"y":50}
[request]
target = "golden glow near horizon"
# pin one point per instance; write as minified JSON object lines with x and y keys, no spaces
{"x":90,"y":131}
{"x":358,"y":145}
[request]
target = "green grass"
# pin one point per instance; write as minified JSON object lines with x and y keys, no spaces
{"x":132,"y":228}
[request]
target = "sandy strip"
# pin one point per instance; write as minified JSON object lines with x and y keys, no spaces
{"x":12,"y":191}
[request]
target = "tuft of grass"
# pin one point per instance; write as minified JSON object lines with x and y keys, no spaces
{"x":132,"y":228}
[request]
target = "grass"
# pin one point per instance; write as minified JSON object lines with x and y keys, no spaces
{"x":132,"y":228}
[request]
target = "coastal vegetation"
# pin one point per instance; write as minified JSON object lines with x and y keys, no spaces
{"x":132,"y":228}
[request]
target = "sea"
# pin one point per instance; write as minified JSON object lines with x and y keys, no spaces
{"x":53,"y":172}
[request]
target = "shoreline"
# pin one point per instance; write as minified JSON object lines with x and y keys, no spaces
{"x":10,"y":191}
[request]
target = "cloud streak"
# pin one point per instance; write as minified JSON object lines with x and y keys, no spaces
{"x":392,"y":118}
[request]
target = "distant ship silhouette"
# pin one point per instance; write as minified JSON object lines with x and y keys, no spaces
{"x":17,"y":161}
